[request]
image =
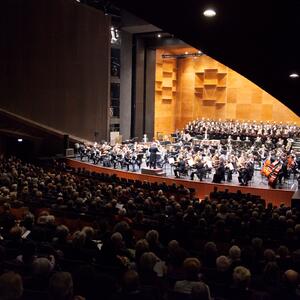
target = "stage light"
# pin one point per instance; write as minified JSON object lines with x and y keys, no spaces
{"x":159,"y":35}
{"x":20,"y":140}
{"x":294,"y":75}
{"x":209,"y":13}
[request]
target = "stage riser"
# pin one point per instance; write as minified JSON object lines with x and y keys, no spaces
{"x":154,"y":172}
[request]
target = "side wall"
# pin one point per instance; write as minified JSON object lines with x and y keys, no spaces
{"x":126,"y":83}
{"x":54,"y":60}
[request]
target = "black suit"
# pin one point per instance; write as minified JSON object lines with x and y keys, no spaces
{"x":180,"y":168}
{"x":153,"y":156}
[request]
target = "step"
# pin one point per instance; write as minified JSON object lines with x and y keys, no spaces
{"x":156,"y":172}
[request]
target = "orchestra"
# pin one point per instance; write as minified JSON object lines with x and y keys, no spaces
{"x":189,"y":155}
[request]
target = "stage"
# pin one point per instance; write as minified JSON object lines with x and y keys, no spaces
{"x":258,"y":186}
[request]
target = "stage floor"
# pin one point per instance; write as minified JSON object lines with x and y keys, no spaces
{"x":258,"y":181}
{"x":258,"y":185}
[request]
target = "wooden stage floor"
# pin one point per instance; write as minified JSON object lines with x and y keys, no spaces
{"x":275,"y":196}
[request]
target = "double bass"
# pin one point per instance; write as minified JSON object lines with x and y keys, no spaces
{"x":273,"y":176}
{"x":267,"y":168}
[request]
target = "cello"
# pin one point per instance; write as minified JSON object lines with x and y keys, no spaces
{"x":273,"y":176}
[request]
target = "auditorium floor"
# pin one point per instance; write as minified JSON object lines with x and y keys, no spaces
{"x":258,"y":181}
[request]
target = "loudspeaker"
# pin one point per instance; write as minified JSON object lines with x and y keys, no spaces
{"x":66,"y":141}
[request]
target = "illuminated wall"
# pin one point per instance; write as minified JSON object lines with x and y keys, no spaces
{"x":191,"y":88}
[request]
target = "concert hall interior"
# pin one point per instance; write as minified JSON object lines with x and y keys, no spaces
{"x":149,"y":150}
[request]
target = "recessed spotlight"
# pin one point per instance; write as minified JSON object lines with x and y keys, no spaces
{"x":20,"y":140}
{"x":159,"y":35}
{"x":209,"y":13}
{"x":294,"y":75}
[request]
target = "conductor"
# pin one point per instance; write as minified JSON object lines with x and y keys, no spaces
{"x":153,"y":155}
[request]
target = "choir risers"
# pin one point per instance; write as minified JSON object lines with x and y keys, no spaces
{"x":296,"y":147}
{"x":155,"y":172}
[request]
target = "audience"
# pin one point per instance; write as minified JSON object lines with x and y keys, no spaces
{"x":122,"y":239}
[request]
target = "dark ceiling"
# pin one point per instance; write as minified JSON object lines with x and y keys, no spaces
{"x":259,"y":39}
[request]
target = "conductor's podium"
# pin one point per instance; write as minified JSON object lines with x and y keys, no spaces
{"x":155,"y":172}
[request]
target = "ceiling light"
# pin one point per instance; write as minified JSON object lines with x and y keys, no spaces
{"x":159,"y":35}
{"x":20,"y":140}
{"x":209,"y":13}
{"x":294,"y":75}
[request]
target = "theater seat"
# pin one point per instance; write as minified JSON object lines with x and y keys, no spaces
{"x":34,"y":295}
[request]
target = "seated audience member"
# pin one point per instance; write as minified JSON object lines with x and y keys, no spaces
{"x":114,"y":253}
{"x":41,"y":270}
{"x":7,"y":220}
{"x":241,"y":281}
{"x":11,"y":286}
{"x":75,"y":251}
{"x":61,"y":287}
{"x":132,"y":290}
{"x":124,"y":228}
{"x":141,"y":247}
{"x":192,"y":268}
{"x":89,"y":244}
{"x":283,"y":258}
{"x":14,"y":238}
{"x":148,"y":274}
{"x":152,"y":236}
{"x":210,"y":255}
{"x":290,"y":286}
{"x":175,"y":259}
{"x":60,"y":240}
{"x":92,"y":284}
{"x":270,"y":279}
{"x":44,"y":229}
{"x":235,"y":256}
{"x":222,"y":276}
{"x":200,"y":291}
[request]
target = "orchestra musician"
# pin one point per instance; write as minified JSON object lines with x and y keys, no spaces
{"x":241,"y":146}
{"x":180,"y":167}
{"x":199,"y":170}
{"x":229,"y":168}
{"x":219,"y":175}
{"x":153,"y":155}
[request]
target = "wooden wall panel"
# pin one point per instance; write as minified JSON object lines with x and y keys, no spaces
{"x":165,"y":95}
{"x":209,"y":89}
{"x":55,"y":58}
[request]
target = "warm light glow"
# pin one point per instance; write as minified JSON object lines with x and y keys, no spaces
{"x":186,"y":53}
{"x":294,"y":75}
{"x":20,"y":140}
{"x":199,"y":52}
{"x":159,"y":35}
{"x":209,"y":13}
